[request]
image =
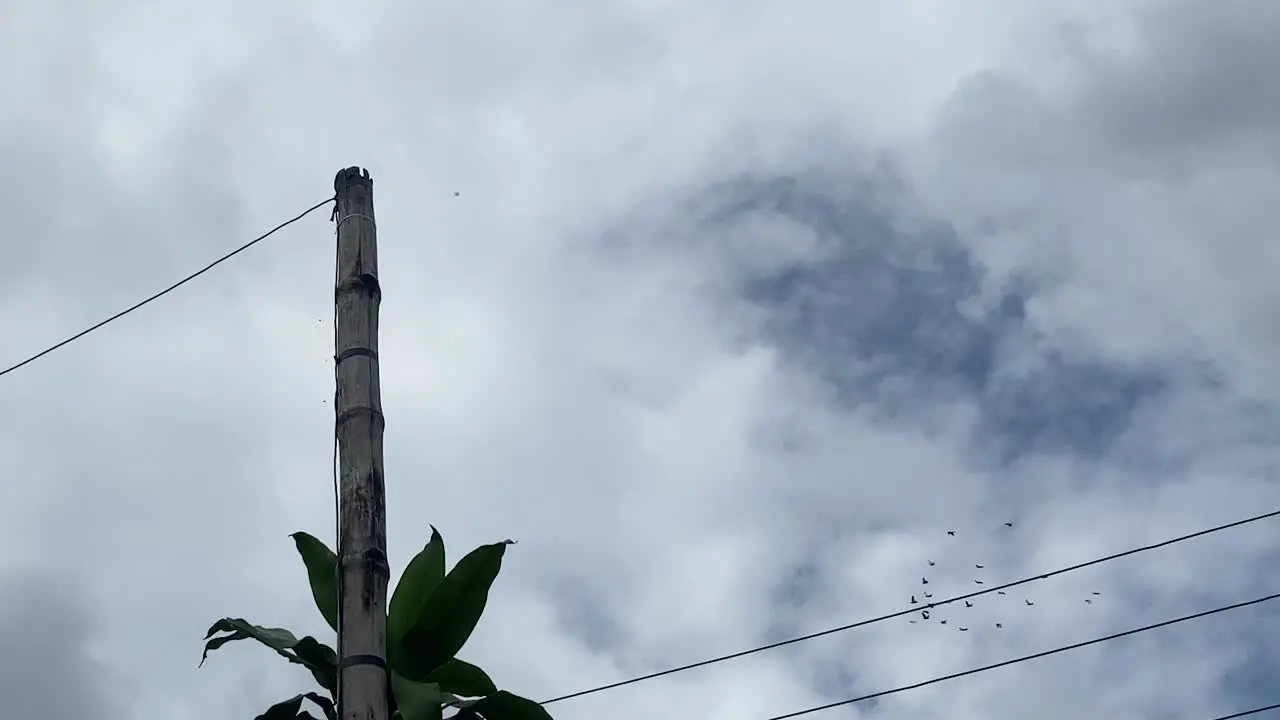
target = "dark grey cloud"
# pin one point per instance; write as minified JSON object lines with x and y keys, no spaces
{"x":1192,"y":77}
{"x":883,"y":317}
{"x":54,"y":665}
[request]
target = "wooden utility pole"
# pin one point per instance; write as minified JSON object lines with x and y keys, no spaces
{"x":362,"y":512}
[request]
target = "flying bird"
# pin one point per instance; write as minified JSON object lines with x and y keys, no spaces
{"x":978,"y":566}
{"x":928,"y":595}
{"x":968,"y":604}
{"x":913,"y":622}
{"x":978,"y":582}
{"x":1001,"y":592}
{"x":1087,"y":601}
{"x":1097,"y":593}
{"x":964,"y":629}
{"x":924,"y":614}
{"x":999,"y":625}
{"x":931,"y":563}
{"x":952,"y":533}
{"x":943,"y":622}
{"x":1008,"y":524}
{"x":924,"y":581}
{"x":913,"y":600}
{"x":1028,"y":602}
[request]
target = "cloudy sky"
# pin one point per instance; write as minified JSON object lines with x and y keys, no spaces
{"x":738,"y":308}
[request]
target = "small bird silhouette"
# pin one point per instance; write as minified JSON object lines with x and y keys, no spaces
{"x":943,"y":622}
{"x":913,"y":600}
{"x":978,"y":566}
{"x":928,"y":595}
{"x":924,"y":614}
{"x":978,"y":582}
{"x":1008,"y":524}
{"x":968,"y":604}
{"x":964,"y":629}
{"x":932,"y":563}
{"x":1028,"y":602}
{"x":1087,"y":601}
{"x":1097,"y":593}
{"x":924,"y":581}
{"x":952,"y":533}
{"x":913,"y":622}
{"x":1001,"y":592}
{"x":456,"y":194}
{"x":999,"y":625}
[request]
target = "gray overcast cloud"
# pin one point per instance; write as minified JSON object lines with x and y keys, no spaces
{"x":739,"y":307}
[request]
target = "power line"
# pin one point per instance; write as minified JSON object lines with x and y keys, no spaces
{"x":1254,"y":711}
{"x":908,"y":611}
{"x":1025,"y":658}
{"x":169,"y":289}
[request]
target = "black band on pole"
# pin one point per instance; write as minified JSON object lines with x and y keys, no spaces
{"x":353,"y":660}
{"x":355,"y":352}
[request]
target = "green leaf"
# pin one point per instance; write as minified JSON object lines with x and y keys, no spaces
{"x":322,"y":571}
{"x":503,"y":705}
{"x":284,"y":710}
{"x":462,"y":678}
{"x":324,"y":703}
{"x":421,"y":577}
{"x":417,"y":701}
{"x":450,"y":615}
{"x":321,"y":660}
{"x":276,"y":638}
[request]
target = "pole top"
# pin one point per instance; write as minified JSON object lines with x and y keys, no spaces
{"x":351,"y":176}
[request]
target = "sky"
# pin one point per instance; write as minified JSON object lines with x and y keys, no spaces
{"x":725,"y":311}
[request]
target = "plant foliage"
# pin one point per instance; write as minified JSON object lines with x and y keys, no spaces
{"x":431,"y":616}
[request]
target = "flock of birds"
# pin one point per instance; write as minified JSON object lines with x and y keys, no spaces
{"x":927,"y":612}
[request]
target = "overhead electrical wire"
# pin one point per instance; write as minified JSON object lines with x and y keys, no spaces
{"x":1246,"y":713}
{"x":1025,"y":658}
{"x":169,"y":289}
{"x":910,"y":610}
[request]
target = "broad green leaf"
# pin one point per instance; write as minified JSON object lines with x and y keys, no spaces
{"x":420,"y":578}
{"x":284,"y":710}
{"x":462,"y":678}
{"x":324,"y":703}
{"x":417,"y":701}
{"x":322,"y":571}
{"x":277,"y":639}
{"x":450,"y":615}
{"x":321,"y":660}
{"x":503,"y":705}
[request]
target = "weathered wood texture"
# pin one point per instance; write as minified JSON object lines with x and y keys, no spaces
{"x":362,"y":543}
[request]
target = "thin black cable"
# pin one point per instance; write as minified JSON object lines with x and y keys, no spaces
{"x":169,"y":289}
{"x":1254,"y":711}
{"x":908,"y":611}
{"x":1024,"y":658}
